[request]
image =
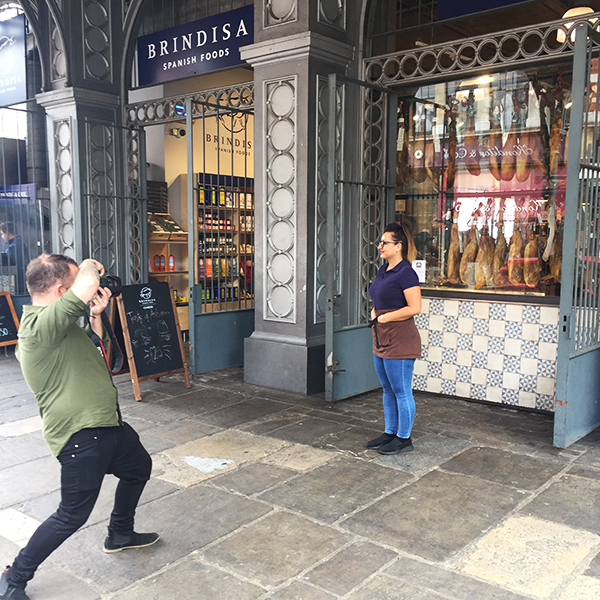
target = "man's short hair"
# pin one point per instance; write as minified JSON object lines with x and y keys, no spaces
{"x":7,"y":227}
{"x":46,"y":270}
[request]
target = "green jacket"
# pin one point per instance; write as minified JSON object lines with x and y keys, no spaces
{"x":65,"y":371}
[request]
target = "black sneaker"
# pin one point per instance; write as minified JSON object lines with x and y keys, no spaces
{"x":396,"y":446}
{"x":383,"y":439}
{"x":115,"y":542}
{"x":11,"y":592}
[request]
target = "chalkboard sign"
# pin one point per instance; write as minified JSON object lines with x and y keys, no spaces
{"x":151,"y":332}
{"x":9,"y":323}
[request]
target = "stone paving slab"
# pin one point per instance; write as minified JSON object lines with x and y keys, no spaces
{"x":583,"y":588}
{"x":272,"y":422}
{"x":300,"y":591}
{"x":507,"y":468}
{"x":336,"y":489}
{"x":573,"y":501}
{"x":243,"y":411}
{"x":253,"y":478}
{"x":430,"y":451}
{"x":299,"y":457}
{"x":22,"y":427}
{"x":309,"y":430}
{"x":436,"y":516}
{"x":529,"y":555}
{"x":350,"y":567}
{"x":275,"y":548}
{"x":35,"y":478}
{"x":186,"y":520}
{"x":448,"y":583}
{"x":192,"y":579}
{"x":52,"y":583}
{"x":384,"y":587}
{"x":23,"y":448}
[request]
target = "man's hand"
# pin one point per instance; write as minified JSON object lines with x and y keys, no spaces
{"x":99,"y":302}
{"x":87,"y":282}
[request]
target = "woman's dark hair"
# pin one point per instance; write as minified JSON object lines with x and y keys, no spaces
{"x":46,"y":270}
{"x":402,"y":234}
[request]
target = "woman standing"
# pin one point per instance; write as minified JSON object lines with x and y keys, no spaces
{"x":396,"y":299}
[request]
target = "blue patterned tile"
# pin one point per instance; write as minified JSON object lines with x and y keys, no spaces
{"x":514,"y":329}
{"x":434,"y":370}
{"x":530,"y":349}
{"x":549,"y":333}
{"x":546,"y":368}
{"x":481,"y":326}
{"x":463,"y":373}
{"x":512,"y":364}
{"x":420,"y":383}
{"x":436,"y":307}
{"x":436,"y":338}
{"x":422,"y":321}
{"x":465,"y":341}
{"x":543,"y":402}
{"x":451,"y":324}
{"x":531,"y":314}
{"x":496,"y":345}
{"x":498,"y":312}
{"x":448,"y":387}
{"x":478,"y":392}
{"x":424,"y":352}
{"x":449,"y":356}
{"x":494,"y":379}
{"x":466,"y":309}
{"x":510,"y":397}
{"x":480,"y":360}
{"x":528,"y":383}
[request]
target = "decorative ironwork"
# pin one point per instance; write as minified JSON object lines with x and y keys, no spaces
{"x":513,"y":48}
{"x":280,"y":11}
{"x":96,"y":15}
{"x":279,"y":216}
{"x":63,"y":152}
{"x":135,"y":206}
{"x":58,"y":63}
{"x":333,"y":12}
{"x":204,"y":104}
{"x":320,"y":278}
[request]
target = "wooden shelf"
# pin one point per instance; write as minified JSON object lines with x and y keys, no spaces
{"x":167,"y":273}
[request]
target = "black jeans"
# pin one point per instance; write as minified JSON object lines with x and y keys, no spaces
{"x":87,"y":457}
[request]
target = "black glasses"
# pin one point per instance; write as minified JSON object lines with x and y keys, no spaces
{"x":383,"y":243}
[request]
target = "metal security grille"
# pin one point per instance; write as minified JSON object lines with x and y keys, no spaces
{"x":24,"y":199}
{"x":115,"y":222}
{"x":583,"y":196}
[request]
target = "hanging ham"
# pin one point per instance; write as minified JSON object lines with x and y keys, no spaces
{"x":454,"y":256}
{"x":495,"y":147}
{"x":508,"y":164}
{"x":452,"y":141}
{"x":498,"y":267}
{"x":531,"y":265}
{"x":484,"y":261}
{"x":471,"y":141}
{"x":468,"y":257}
{"x":515,"y":258}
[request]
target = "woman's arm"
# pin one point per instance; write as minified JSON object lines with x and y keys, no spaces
{"x":412,"y":308}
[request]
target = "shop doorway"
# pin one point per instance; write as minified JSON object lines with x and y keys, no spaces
{"x":360,"y":181}
{"x":221,"y":205}
{"x":578,"y":379}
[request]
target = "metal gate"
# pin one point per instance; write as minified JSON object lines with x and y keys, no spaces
{"x":578,"y":378}
{"x":220,"y":194}
{"x":360,"y":201}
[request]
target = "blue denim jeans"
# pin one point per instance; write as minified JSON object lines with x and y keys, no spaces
{"x":395,"y":375}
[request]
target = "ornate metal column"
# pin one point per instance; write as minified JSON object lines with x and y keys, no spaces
{"x":297,"y":44}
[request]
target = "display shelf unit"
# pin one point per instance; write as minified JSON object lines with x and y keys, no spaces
{"x":225,"y":241}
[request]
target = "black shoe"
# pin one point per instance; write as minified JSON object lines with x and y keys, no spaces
{"x":383,"y":439}
{"x":115,"y":542}
{"x":11,"y":592}
{"x":396,"y":446}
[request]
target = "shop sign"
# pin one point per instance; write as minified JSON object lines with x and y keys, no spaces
{"x":449,"y":9}
{"x":203,"y":46}
{"x":13,"y":80}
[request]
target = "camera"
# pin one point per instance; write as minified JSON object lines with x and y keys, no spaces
{"x":177,"y":132}
{"x":113,"y":283}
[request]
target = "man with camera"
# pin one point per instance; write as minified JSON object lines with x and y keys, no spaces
{"x":80,"y":413}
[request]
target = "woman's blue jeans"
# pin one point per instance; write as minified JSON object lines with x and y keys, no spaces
{"x":395,"y":375}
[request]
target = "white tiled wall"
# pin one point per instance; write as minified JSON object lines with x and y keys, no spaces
{"x":490,"y":351}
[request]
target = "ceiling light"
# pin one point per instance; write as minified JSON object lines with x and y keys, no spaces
{"x":576,"y":11}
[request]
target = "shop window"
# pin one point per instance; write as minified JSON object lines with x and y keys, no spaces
{"x":481,"y":173}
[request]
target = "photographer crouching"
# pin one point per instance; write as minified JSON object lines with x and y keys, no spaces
{"x":80,"y":413}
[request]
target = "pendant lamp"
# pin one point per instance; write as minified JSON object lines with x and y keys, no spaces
{"x":576,"y":11}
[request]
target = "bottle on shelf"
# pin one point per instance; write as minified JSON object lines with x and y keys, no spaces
{"x":171,"y":263}
{"x":162,"y":262}
{"x":156,"y":263}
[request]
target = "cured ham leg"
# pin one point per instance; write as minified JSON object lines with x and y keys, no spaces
{"x":468,"y":257}
{"x":500,"y":273}
{"x":531,"y":265}
{"x":454,"y":256}
{"x":515,"y":258}
{"x":508,"y":164}
{"x":452,"y":142}
{"x":495,"y":147}
{"x":471,"y":142}
{"x":484,"y":261}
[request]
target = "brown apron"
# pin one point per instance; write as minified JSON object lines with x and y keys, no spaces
{"x":397,"y":339}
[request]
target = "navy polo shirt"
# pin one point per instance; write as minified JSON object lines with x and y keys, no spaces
{"x":387,"y":289}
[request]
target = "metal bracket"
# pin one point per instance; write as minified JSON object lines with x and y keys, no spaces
{"x":565,"y":325}
{"x":333,"y":366}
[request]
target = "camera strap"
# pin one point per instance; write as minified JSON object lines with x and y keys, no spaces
{"x":118,"y":357}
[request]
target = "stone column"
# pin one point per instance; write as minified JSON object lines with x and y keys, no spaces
{"x":297,"y":44}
